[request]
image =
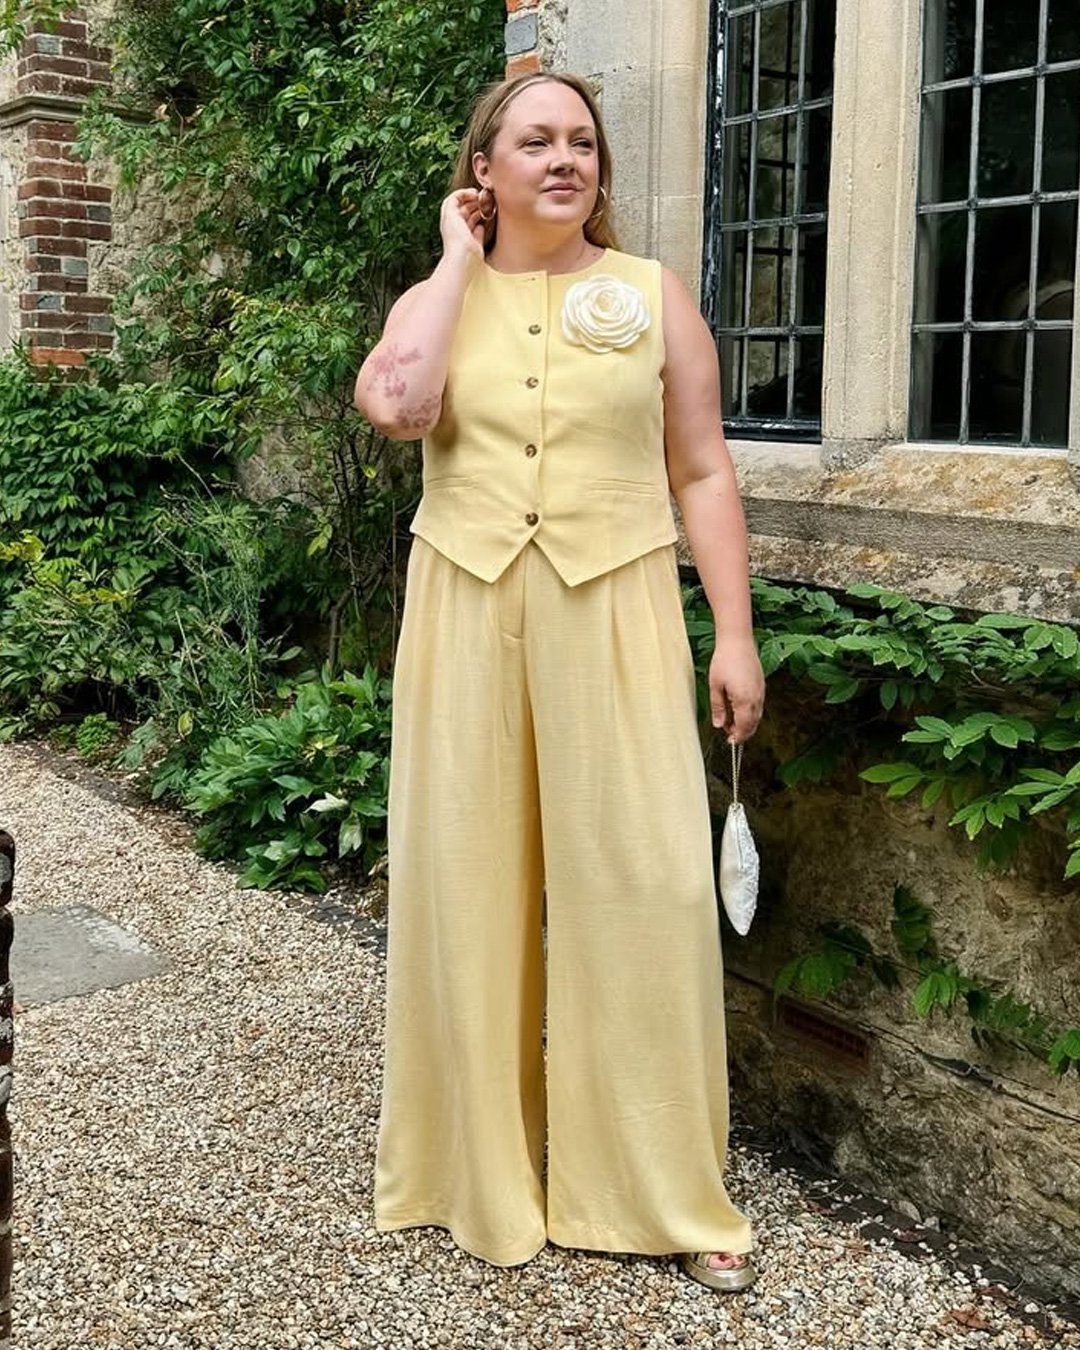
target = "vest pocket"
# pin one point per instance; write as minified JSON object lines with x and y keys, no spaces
{"x":624,"y":485}
{"x":451,"y":480}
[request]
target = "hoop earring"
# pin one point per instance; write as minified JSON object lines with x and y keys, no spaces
{"x":494,"y":206}
{"x":603,"y":205}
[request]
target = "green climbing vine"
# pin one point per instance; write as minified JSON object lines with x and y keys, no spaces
{"x":980,"y":713}
{"x":997,"y":1016}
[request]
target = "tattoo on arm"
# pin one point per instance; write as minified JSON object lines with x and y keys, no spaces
{"x":385,"y":371}
{"x":419,"y":416}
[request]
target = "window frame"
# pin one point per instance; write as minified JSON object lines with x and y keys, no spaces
{"x":971,"y":205}
{"x":718,"y":123}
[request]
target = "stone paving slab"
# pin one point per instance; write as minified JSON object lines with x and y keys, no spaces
{"x":74,"y":949}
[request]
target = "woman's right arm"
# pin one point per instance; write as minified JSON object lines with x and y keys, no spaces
{"x":400,"y":385}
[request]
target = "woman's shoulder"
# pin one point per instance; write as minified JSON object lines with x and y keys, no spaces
{"x":632,"y":262}
{"x":644,"y":273}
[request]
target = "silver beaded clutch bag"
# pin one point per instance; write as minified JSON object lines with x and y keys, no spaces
{"x":739,"y":865}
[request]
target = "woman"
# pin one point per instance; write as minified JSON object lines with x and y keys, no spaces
{"x":545,"y":750}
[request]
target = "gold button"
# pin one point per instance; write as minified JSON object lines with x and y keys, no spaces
{"x":530,"y":450}
{"x":534,"y":328}
{"x":532,"y":382}
{"x":531,"y":518}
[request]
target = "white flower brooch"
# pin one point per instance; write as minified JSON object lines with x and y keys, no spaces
{"x":604,"y":313}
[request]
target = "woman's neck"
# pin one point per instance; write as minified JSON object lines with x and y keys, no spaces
{"x":525,"y":255}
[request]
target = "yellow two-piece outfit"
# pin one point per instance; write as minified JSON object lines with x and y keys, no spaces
{"x":545,"y":744}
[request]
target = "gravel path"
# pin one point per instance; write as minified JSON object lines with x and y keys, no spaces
{"x":194,"y":1154}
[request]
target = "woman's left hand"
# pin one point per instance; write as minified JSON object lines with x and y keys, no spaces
{"x":736,"y":687}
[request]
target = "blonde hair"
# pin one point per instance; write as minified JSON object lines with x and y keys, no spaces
{"x":485,"y":123}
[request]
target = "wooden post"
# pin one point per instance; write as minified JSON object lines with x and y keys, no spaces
{"x":7,"y":1041}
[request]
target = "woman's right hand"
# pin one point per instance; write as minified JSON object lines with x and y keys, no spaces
{"x":461,"y":225}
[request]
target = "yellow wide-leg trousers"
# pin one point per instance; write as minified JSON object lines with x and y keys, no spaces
{"x":545,"y":746}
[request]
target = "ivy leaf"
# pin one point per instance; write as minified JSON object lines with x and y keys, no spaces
{"x":300,"y":786}
{"x":843,"y":692}
{"x":972,"y":816}
{"x":932,"y":793}
{"x":912,"y":924}
{"x":1039,"y":775}
{"x":1065,"y":1051}
{"x":937,"y":989}
{"x":820,"y":972}
{"x":1060,"y":740}
{"x":1003,"y":622}
{"x":827,"y":674}
{"x":891,"y":772}
{"x":937,"y":726}
{"x":329,"y":803}
{"x":1038,"y":637}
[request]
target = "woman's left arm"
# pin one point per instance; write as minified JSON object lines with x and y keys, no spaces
{"x":702,"y":478}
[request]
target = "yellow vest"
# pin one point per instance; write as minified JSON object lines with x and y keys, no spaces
{"x":541,"y":438}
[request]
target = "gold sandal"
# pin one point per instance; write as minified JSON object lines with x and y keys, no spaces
{"x":730,"y":1281}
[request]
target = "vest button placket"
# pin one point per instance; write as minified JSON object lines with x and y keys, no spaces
{"x":513,"y":440}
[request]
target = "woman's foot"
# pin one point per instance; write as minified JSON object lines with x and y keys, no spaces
{"x":726,"y":1271}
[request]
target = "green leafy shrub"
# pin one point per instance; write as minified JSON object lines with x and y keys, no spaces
{"x":307,"y":185}
{"x":66,"y":637}
{"x":94,"y":736}
{"x":89,"y":466}
{"x":308,"y":146}
{"x":310,"y":783}
{"x":979,"y":713}
{"x":180,"y":652}
{"x":120,"y":547}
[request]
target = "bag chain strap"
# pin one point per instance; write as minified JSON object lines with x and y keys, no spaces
{"x":736,"y":764}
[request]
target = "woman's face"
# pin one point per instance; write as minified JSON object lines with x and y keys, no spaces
{"x":544,"y":167}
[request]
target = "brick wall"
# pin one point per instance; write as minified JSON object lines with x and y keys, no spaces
{"x":59,"y":210}
{"x":522,"y":37}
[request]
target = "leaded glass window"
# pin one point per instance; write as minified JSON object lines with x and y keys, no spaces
{"x":999,"y":179}
{"x":771,"y":126}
